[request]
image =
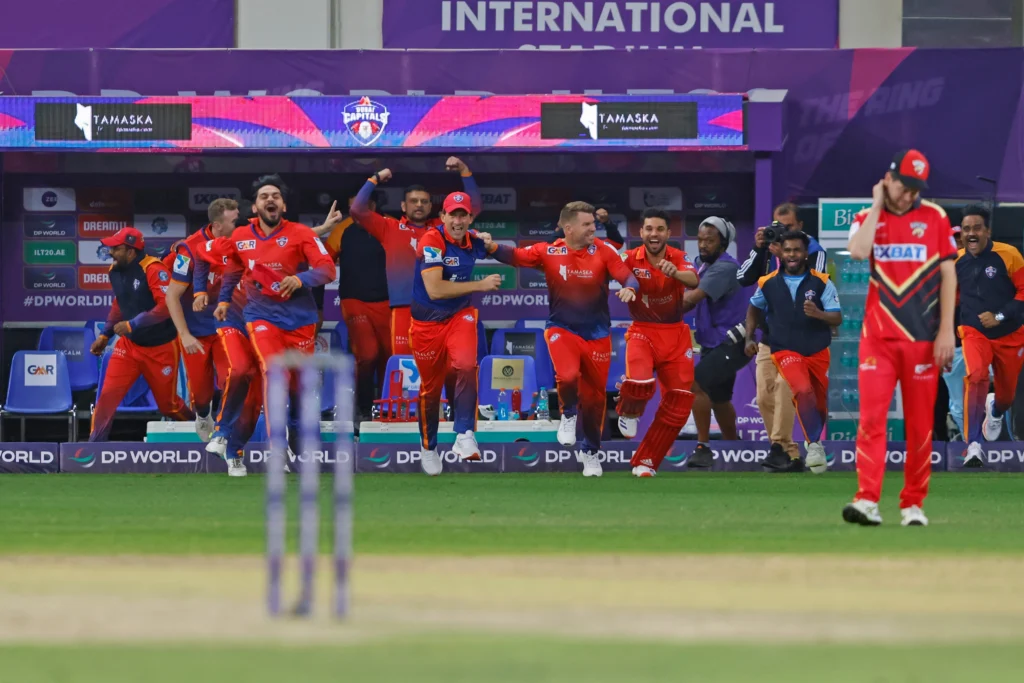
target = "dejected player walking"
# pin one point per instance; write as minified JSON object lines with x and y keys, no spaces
{"x":908,"y":330}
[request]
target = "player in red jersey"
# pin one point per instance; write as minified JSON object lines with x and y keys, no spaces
{"x":278,"y":263}
{"x":197,"y":331}
{"x":908,"y":330}
{"x":658,"y":342}
{"x":400,"y":237}
{"x":577,"y":269}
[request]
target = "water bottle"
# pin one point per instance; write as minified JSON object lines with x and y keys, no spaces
{"x":517,"y":403}
{"x":503,"y":405}
{"x":543,"y":412}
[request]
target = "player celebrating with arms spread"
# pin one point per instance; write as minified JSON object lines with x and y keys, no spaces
{"x":658,"y":342}
{"x":443,"y":333}
{"x":908,"y":330}
{"x":577,"y":269}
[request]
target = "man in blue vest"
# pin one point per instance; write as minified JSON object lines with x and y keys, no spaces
{"x":800,"y":306}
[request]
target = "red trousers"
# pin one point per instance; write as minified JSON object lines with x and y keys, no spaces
{"x":442,"y":349}
{"x":369,"y":334}
{"x":807,"y":377}
{"x":581,"y":373}
{"x":662,"y":350}
{"x":1006,"y":356}
{"x":401,"y":324}
{"x":883,"y":363}
{"x":157,"y":364}
{"x":268,"y":340}
{"x":242,"y":395}
{"x":200,"y":369}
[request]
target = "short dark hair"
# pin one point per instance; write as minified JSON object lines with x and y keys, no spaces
{"x":270,"y":179}
{"x":656,"y":213}
{"x":786,"y":208}
{"x":978,"y":210}
{"x":413,"y":188}
{"x":796,"y":235}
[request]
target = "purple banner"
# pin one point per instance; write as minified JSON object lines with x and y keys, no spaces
{"x":997,"y":456}
{"x":133,"y":458}
{"x":257,"y":454}
{"x":118,"y":23}
{"x":578,"y":24}
{"x":842,"y":456}
{"x":378,"y":457}
{"x":29,"y":458}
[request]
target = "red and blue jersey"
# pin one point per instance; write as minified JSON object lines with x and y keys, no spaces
{"x":660,"y":297}
{"x":577,"y":282}
{"x":291,"y":249}
{"x":456,"y":260}
{"x":400,"y":238}
{"x":182,"y":262}
{"x":212,"y":258}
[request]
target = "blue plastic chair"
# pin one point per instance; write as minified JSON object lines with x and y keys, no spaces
{"x":618,"y":366}
{"x":530,"y":324}
{"x":139,"y":398}
{"x":339,"y":341}
{"x":526,"y":342}
{"x":75,"y":343}
{"x":39,"y":387}
{"x":488,"y":395}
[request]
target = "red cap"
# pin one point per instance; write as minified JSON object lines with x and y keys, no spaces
{"x":912,"y":168}
{"x":457,"y":200}
{"x":957,"y":229}
{"x":129,"y":236}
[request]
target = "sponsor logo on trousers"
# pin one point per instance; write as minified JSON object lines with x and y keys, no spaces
{"x":28,"y":457}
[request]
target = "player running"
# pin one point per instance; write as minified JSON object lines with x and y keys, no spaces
{"x":399,"y":238}
{"x":577,"y":269}
{"x":908,"y":330}
{"x":801,"y":306}
{"x":657,"y":343}
{"x":443,"y":333}
{"x":991,"y":278}
{"x":278,"y":262}
{"x":146,"y":338}
{"x":197,"y":331}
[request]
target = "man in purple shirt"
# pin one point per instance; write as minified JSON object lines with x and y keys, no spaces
{"x":720,"y":306}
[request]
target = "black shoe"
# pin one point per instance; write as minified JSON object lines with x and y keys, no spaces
{"x":701,"y":458}
{"x":794,"y":465}
{"x":777,"y":458}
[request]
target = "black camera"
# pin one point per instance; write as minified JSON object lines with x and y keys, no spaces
{"x":774,"y":232}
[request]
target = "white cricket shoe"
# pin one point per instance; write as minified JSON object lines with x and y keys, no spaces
{"x":974,"y":456}
{"x":913,"y":516}
{"x":862,"y":512}
{"x":430,"y":462}
{"x":236,"y":467}
{"x":218,"y":446}
{"x":993,"y":425}
{"x":567,"y":431}
{"x":205,"y":426}
{"x":816,"y":461}
{"x":644,"y":471}
{"x":466,"y":446}
{"x":628,"y":425}
{"x":591,"y":464}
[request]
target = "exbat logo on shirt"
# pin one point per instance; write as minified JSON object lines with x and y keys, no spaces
{"x":890,"y":253}
{"x":245,"y":245}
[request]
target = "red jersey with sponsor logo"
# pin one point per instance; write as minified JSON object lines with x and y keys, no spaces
{"x":903,"y":297}
{"x":181,"y":262}
{"x":660,"y":299}
{"x":211,"y":260}
{"x":399,"y":239}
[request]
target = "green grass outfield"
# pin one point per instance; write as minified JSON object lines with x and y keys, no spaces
{"x":511,"y":514}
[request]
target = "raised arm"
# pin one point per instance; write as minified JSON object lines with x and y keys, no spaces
{"x":862,"y":231}
{"x":374,"y":223}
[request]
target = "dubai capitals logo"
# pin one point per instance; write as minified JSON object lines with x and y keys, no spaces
{"x":365,"y":120}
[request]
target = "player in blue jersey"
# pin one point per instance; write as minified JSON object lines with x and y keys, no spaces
{"x":443,"y":332}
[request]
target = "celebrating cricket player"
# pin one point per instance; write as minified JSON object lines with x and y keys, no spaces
{"x":146,"y":341}
{"x":443,"y":333}
{"x":657,"y":343}
{"x":801,"y":306}
{"x":908,"y":330}
{"x":399,"y":238}
{"x":991,"y":279}
{"x":577,"y":269}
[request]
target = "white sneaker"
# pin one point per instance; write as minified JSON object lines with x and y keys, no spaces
{"x":205,"y":426}
{"x":862,"y":512}
{"x":816,"y":461}
{"x":218,"y":446}
{"x":913,"y":516}
{"x":591,"y":464}
{"x":974,"y":456}
{"x":993,"y":425}
{"x":430,"y":462}
{"x":466,"y":446}
{"x":644,"y":471}
{"x":567,"y":431}
{"x":628,"y":425}
{"x":236,"y":467}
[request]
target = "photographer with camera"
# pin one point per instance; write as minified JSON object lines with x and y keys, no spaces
{"x":774,"y":398}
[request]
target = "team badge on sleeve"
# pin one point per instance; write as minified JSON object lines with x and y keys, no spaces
{"x":432,"y":255}
{"x":164,"y":277}
{"x":182,"y":264}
